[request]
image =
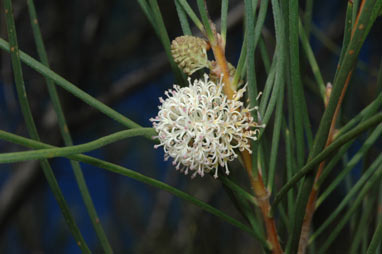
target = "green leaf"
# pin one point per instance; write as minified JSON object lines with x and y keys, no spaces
{"x":348,"y":28}
{"x":257,"y":35}
{"x":269,"y":83}
{"x":280,"y":59}
{"x":223,"y":19}
{"x":312,"y":60}
{"x":161,"y":31}
{"x":278,"y":91}
{"x":376,"y":240}
{"x":242,"y":198}
{"x":264,"y":55}
{"x":202,"y":6}
{"x":356,"y":189}
{"x":275,"y":142}
{"x":370,"y":123}
{"x":65,"y":132}
{"x":182,"y":19}
{"x":341,"y":223}
{"x":77,"y":149}
{"x":191,"y":14}
{"x":134,"y":175}
{"x":289,"y":173}
{"x":363,"y":224}
{"x":31,"y":127}
{"x":343,"y":73}
{"x":376,"y":134}
{"x":250,"y":59}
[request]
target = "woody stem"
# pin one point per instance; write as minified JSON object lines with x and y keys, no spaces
{"x":256,"y":180}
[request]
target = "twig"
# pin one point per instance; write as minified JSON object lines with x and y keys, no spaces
{"x":257,"y":184}
{"x":310,"y":207}
{"x":262,"y":199}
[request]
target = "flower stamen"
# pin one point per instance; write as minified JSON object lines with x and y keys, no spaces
{"x":200,"y":128}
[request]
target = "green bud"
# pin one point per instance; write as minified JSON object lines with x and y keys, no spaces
{"x":190,"y":53}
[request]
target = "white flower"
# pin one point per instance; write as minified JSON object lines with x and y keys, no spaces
{"x":200,"y":128}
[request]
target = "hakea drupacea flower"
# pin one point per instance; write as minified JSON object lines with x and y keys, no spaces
{"x":200,"y":128}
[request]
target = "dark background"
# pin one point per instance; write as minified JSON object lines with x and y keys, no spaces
{"x":108,"y":49}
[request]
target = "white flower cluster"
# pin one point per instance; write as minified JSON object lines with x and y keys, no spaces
{"x":199,"y":127}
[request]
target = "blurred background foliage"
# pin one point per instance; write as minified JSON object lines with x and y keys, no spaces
{"x":109,"y":49}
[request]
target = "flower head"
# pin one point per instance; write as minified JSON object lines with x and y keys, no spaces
{"x":190,"y":53}
{"x":200,"y":128}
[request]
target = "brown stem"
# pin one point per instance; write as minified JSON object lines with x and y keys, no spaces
{"x":257,"y":184}
{"x":357,"y":18}
{"x":223,"y":66}
{"x":262,"y":198}
{"x":310,"y":207}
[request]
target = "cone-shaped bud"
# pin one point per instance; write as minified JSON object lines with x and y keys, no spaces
{"x":190,"y":53}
